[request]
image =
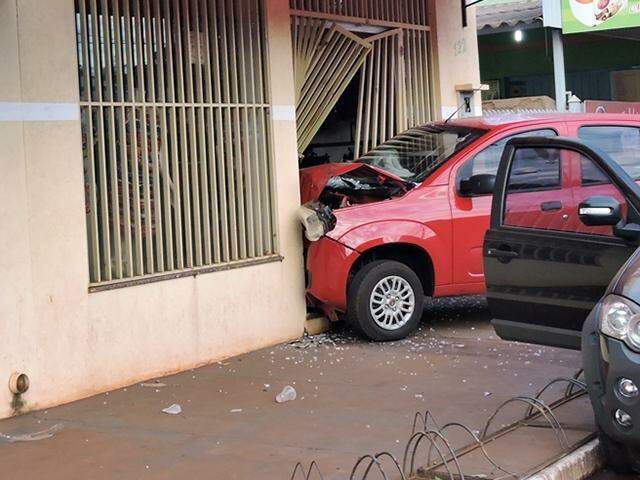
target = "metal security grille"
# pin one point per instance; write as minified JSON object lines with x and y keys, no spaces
{"x":326,"y":58}
{"x":176,"y":132}
{"x":398,"y":11}
{"x":395,"y":65}
{"x":395,"y":87}
{"x":382,"y":99}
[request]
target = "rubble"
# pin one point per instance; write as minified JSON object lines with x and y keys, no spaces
{"x":314,"y":341}
{"x":155,"y":384}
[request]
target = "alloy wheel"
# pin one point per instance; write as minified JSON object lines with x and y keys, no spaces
{"x":392,"y":303}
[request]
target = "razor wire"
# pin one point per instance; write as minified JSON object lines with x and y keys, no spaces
{"x":430,"y":439}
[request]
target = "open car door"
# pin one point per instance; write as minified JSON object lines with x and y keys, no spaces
{"x":565,"y":218}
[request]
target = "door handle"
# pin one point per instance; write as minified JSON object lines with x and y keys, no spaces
{"x":550,"y":206}
{"x":495,"y":252}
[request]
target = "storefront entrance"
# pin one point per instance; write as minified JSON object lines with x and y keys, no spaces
{"x":374,"y":57}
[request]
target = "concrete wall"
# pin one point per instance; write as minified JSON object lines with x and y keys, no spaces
{"x":74,"y":344}
{"x":457,"y":53}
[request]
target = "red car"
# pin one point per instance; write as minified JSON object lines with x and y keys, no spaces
{"x":408,"y":219}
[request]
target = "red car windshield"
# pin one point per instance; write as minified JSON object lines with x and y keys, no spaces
{"x":416,"y":153}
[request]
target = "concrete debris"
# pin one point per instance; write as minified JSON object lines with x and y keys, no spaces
{"x":307,"y":341}
{"x":174,"y":409}
{"x":31,"y":437}
{"x":153,"y":384}
{"x":287,"y":394}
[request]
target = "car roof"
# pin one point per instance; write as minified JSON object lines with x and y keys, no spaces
{"x":496,"y":121}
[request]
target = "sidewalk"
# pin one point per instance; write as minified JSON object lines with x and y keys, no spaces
{"x":354,"y":398}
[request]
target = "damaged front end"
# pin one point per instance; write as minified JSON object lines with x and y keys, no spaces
{"x":317,"y":219}
{"x":360,"y":186}
{"x":334,"y":186}
{"x":340,"y":185}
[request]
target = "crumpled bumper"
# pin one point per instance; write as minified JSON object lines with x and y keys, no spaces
{"x":328,"y":265}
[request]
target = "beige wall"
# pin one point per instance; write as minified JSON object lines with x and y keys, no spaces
{"x":457,"y":53}
{"x":71,"y":343}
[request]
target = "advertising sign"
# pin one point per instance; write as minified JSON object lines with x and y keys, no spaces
{"x":552,"y":13}
{"x":596,"y":15}
{"x":602,"y":106}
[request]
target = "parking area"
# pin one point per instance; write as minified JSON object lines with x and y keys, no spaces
{"x":353,"y":397}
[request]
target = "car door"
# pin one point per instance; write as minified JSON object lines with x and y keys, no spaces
{"x":470,"y":211}
{"x":545,"y":272}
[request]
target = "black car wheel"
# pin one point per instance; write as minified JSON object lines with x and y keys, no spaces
{"x":385,"y":301}
{"x":620,"y":457}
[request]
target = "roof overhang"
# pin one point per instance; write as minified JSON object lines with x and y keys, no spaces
{"x":494,"y":16}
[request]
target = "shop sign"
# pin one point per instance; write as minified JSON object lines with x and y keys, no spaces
{"x":597,"y":15}
{"x":602,"y":106}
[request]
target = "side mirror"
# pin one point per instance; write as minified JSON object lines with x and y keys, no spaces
{"x":481,"y":184}
{"x":599,"y":211}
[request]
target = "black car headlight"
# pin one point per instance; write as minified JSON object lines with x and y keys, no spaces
{"x":620,"y":319}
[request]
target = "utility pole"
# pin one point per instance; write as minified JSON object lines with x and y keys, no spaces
{"x":559,"y":77}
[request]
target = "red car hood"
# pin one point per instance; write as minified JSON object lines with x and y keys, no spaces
{"x":313,"y":180}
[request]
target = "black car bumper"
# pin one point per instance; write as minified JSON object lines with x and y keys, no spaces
{"x":606,"y":361}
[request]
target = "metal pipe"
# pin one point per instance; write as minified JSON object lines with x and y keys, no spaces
{"x":558,"y":70}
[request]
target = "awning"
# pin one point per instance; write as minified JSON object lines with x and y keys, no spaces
{"x":494,"y":14}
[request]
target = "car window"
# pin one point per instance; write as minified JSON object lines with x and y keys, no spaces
{"x":416,"y":153}
{"x":487,"y":161}
{"x":535,"y":197}
{"x":535,"y":169}
{"x":620,"y":142}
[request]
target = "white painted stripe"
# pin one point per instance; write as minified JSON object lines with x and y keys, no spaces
{"x":39,"y":112}
{"x":285,"y":113}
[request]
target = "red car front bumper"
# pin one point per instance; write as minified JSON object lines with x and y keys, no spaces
{"x":328,"y":266}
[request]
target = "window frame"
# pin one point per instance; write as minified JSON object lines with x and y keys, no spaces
{"x":509,"y":136}
{"x":572,"y":145}
{"x":601,"y":125}
{"x":561,"y":172}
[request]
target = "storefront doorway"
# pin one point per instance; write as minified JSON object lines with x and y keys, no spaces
{"x":367,"y":67}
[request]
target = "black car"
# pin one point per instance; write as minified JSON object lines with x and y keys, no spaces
{"x":611,"y":353}
{"x":550,"y":261}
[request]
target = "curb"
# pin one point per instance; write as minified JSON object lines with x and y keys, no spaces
{"x":577,"y":465}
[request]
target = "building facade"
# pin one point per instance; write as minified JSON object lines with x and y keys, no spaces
{"x":516,"y":43}
{"x":150,"y":172}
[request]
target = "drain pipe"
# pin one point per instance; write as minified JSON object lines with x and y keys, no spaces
{"x":18,"y":383}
